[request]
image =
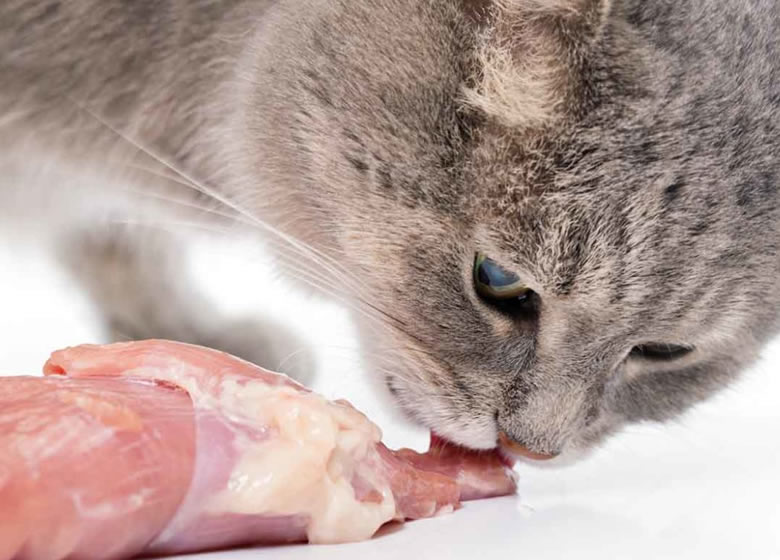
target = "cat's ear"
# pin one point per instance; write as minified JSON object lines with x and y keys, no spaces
{"x":532,"y":56}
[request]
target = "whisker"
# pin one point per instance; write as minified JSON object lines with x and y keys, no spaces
{"x":305,"y":249}
{"x":287,"y":358}
{"x":165,"y":225}
{"x":183,"y":203}
{"x":312,"y":277}
{"x":174,"y":178}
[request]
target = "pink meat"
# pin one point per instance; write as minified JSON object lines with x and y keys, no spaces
{"x":130,"y":449}
{"x":83,"y":462}
{"x":479,"y":474}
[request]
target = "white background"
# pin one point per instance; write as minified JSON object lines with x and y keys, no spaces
{"x":705,"y":487}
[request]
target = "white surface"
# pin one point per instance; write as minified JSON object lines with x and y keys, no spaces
{"x":706,"y":487}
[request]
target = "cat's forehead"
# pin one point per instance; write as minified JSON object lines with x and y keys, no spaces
{"x":564,"y":227}
{"x":569,"y":242}
{"x":548,"y":239}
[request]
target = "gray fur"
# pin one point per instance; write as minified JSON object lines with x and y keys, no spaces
{"x":620,"y":157}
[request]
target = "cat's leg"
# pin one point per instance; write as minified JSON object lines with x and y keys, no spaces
{"x":138,"y":279}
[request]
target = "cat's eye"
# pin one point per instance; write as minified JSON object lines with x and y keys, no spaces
{"x":660,"y":352}
{"x":499,"y":287}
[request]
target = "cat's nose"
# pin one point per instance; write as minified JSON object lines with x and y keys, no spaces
{"x":511,"y":446}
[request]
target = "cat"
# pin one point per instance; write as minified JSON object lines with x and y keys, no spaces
{"x":551,"y":218}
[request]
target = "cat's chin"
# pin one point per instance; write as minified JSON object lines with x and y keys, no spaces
{"x":570,"y":455}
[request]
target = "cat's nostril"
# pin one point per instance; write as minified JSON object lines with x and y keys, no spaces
{"x":511,"y":446}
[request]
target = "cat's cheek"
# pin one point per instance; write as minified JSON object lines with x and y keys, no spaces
{"x":453,"y":422}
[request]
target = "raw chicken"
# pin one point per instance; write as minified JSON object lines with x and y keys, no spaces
{"x":158,"y":448}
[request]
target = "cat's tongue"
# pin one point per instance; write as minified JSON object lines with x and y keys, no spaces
{"x":479,"y":474}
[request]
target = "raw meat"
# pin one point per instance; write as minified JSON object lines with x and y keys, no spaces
{"x":158,"y":447}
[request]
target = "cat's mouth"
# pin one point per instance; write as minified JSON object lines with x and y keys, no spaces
{"x":439,"y":442}
{"x":508,"y":451}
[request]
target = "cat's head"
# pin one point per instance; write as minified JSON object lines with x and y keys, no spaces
{"x":558,"y":232}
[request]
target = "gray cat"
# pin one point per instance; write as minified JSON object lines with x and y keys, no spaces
{"x":551,"y":217}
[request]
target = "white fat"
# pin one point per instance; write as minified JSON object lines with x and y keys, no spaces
{"x":306,"y":467}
